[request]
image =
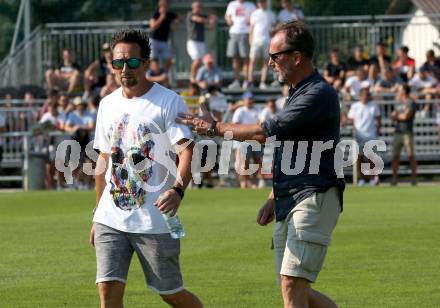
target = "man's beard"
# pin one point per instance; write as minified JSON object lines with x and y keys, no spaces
{"x":129,"y":82}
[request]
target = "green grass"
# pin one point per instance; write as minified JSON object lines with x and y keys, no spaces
{"x":385,"y":251}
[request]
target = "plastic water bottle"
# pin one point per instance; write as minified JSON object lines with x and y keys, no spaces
{"x":174,"y":225}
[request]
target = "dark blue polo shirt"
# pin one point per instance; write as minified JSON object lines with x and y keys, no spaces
{"x":310,"y":115}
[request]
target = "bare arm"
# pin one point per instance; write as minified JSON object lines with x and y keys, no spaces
{"x":170,"y":200}
{"x":241,"y":132}
{"x":228,"y":20}
{"x":267,"y":211}
{"x":155,"y":23}
{"x":100,"y":183}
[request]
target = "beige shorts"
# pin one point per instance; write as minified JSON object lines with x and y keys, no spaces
{"x":300,"y":241}
{"x":401,"y":140}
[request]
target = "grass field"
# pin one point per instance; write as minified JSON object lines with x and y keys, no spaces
{"x":385,"y":251}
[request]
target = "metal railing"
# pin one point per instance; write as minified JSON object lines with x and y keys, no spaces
{"x":85,"y":39}
{"x":17,"y":145}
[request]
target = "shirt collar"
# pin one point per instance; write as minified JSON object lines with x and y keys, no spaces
{"x":306,"y":80}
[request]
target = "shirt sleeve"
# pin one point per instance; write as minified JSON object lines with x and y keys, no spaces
{"x":236,"y":116}
{"x":298,"y":117}
{"x":229,"y":9}
{"x":2,"y":120}
{"x":102,"y":141}
{"x":175,"y":131}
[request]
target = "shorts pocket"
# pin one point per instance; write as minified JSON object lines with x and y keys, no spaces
{"x":312,"y":257}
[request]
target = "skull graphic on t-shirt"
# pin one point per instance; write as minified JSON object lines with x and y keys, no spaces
{"x":131,"y":148}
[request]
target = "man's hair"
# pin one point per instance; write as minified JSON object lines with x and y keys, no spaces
{"x":405,"y":49}
{"x":406,"y":88}
{"x":133,"y":36}
{"x":298,"y":37}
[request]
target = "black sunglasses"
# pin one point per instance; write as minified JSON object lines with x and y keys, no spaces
{"x":132,"y":63}
{"x":274,"y":56}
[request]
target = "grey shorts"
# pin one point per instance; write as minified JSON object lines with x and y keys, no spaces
{"x":160,"y":50}
{"x":300,"y":241}
{"x":158,"y":254}
{"x":238,"y":46}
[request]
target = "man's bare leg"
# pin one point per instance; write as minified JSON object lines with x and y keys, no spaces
{"x":297,"y":293}
{"x":318,"y":300}
{"x":236,"y":63}
{"x":182,"y":299}
{"x":111,"y":294}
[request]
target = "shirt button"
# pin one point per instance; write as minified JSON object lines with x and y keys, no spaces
{"x":277,"y":199}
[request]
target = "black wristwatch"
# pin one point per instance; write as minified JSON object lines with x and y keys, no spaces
{"x":179,"y":191}
{"x":211,"y":130}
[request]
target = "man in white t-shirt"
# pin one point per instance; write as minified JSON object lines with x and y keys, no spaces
{"x":237,"y":17}
{"x":247,"y":114}
{"x":365,"y":116}
{"x":290,"y":12}
{"x":262,"y":20}
{"x":135,"y":135}
{"x":355,"y":83}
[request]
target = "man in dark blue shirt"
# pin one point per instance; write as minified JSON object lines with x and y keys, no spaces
{"x":161,"y":25}
{"x":307,"y":194}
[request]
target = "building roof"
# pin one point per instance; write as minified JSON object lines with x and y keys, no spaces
{"x":428,"y":7}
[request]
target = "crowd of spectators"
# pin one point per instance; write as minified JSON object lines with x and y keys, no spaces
{"x":361,"y":79}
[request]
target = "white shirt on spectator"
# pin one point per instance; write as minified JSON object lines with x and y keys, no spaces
{"x":419,"y":84}
{"x":49,"y":117}
{"x":266,"y":114}
{"x":285,"y":15}
{"x":280,"y":102}
{"x":218,"y":102}
{"x":139,"y":131}
{"x":245,"y":115}
{"x":262,"y":21}
{"x":240,"y":14}
{"x":356,"y":85}
{"x":364,"y":119}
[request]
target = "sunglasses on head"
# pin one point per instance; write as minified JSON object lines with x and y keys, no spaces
{"x":132,"y":63}
{"x":274,"y":56}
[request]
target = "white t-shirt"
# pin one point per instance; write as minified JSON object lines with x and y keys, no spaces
{"x":356,"y":85}
{"x":417,"y":83}
{"x":280,"y":102}
{"x":267,"y":114}
{"x":240,"y":14}
{"x":139,"y":134}
{"x":262,"y":21}
{"x":218,"y":103}
{"x":285,"y":15}
{"x":244,"y":115}
{"x":2,"y":124}
{"x":364,"y":118}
